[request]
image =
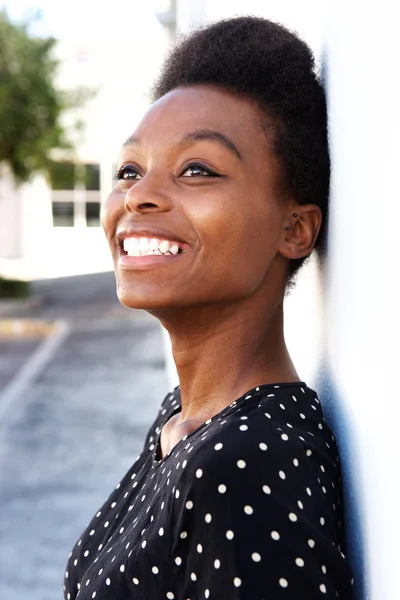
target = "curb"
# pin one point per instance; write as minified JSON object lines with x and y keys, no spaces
{"x":9,"y":307}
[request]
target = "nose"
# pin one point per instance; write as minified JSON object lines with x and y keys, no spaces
{"x":149,"y":194}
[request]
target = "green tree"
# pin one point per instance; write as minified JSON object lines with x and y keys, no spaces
{"x":30,"y":106}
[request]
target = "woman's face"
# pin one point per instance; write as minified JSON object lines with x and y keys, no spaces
{"x":197,"y":179}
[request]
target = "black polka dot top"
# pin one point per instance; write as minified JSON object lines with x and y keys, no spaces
{"x":247,"y":506}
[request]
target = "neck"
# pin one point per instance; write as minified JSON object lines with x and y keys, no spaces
{"x":222,"y":352}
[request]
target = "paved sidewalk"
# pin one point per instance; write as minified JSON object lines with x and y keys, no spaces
{"x":66,"y":441}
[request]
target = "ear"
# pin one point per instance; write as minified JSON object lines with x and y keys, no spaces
{"x":302,"y":228}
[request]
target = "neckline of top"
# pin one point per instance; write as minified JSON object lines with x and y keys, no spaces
{"x":157,"y":462}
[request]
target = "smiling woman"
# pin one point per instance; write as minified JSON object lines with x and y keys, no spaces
{"x":220,"y":195}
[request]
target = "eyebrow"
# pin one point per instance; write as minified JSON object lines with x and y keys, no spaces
{"x":196,"y":136}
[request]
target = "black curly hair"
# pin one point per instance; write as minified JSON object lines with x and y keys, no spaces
{"x":266,"y":62}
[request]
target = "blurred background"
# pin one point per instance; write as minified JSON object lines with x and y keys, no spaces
{"x":81,"y":377}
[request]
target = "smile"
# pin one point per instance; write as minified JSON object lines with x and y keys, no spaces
{"x":145,"y":246}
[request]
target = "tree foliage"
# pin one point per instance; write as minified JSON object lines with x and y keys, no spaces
{"x":30,"y":106}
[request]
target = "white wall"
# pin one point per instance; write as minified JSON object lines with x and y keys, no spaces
{"x":363,"y":296}
{"x":10,"y":209}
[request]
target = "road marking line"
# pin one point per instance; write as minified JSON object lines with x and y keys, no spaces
{"x":32,"y":367}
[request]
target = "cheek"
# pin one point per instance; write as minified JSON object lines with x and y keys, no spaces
{"x":110,"y":212}
{"x":239,"y":241}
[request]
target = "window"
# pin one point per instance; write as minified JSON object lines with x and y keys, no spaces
{"x":62,"y":175}
{"x":92,"y":177}
{"x":75,"y":195}
{"x":63,"y":214}
{"x":92,"y":214}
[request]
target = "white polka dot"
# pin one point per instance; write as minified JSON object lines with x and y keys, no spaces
{"x":135,"y":581}
{"x":299,"y":562}
{"x":311,"y":543}
{"x":189,"y":505}
{"x":199,"y":473}
{"x":322,"y":588}
{"x":230,"y":535}
{"x":199,"y":548}
{"x":217,"y":563}
{"x":207,"y":593}
{"x":86,"y":553}
{"x":177,"y":493}
{"x":282,"y":407}
{"x":170,"y":595}
{"x":94,"y":594}
{"x":263,"y":446}
{"x":308,"y":452}
{"x":92,"y":532}
{"x":100,"y":572}
{"x":248,"y":510}
{"x":308,"y":491}
{"x":293,"y":517}
{"x":178,"y":561}
{"x":183,"y":535}
{"x":193,"y":576}
{"x":323,"y":569}
{"x":106,"y":524}
{"x":282,"y":475}
{"x":303,"y":416}
{"x":161,"y":531}
{"x":283,"y":582}
{"x":222,"y":488}
{"x":241,"y":464}
{"x":208,"y":518}
{"x":144,"y":544}
{"x":284,"y":437}
{"x":122,"y":568}
{"x":268,"y":416}
{"x":75,"y":562}
{"x":322,"y":521}
{"x":237,"y":582}
{"x":322,"y":468}
{"x":218,"y":446}
{"x":295,"y":462}
{"x":243,"y":428}
{"x":275,"y":535}
{"x":256,"y":557}
{"x":108,"y":581}
{"x":300,"y":504}
{"x":155,"y":570}
{"x":122,"y":530}
{"x":266,"y":489}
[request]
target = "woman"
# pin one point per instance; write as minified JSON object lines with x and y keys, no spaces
{"x":221,"y":194}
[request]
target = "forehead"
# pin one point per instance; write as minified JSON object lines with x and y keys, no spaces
{"x":204,"y":107}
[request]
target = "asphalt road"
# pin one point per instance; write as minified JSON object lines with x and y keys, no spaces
{"x":68,"y":439}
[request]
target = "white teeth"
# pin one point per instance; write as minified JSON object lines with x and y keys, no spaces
{"x":153,"y":244}
{"x":143,"y":244}
{"x":164,"y":246}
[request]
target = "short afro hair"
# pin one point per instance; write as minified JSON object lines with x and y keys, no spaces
{"x":268,"y":63}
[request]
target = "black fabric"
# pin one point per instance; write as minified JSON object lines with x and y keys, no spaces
{"x":246,"y":507}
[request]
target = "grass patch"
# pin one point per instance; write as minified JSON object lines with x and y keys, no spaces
{"x":14,"y":288}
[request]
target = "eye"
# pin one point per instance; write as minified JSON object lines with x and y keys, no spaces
{"x":127,"y":172}
{"x":196,"y":170}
